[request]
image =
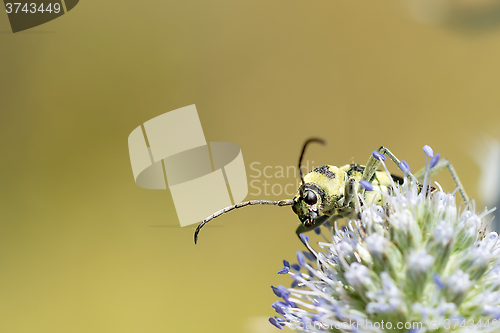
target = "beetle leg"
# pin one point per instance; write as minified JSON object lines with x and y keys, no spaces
{"x":442,"y":164}
{"x":351,"y":194}
{"x":373,"y":164}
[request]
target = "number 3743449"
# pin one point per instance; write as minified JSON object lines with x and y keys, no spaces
{"x":25,"y":8}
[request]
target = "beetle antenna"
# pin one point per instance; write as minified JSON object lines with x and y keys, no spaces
{"x":286,"y":202}
{"x":311,"y":140}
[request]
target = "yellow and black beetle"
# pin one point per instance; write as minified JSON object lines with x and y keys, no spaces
{"x":331,"y":193}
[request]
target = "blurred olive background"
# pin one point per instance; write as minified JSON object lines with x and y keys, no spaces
{"x":83,"y":249}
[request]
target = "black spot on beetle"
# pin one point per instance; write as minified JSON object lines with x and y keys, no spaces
{"x":325,"y":170}
{"x":355,"y":168}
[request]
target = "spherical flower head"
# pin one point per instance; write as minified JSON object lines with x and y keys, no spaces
{"x":414,"y":258}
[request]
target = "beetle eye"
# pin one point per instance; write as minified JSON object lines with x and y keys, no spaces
{"x":310,"y":198}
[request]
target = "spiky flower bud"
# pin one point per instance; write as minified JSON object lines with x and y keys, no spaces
{"x":413,"y":264}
